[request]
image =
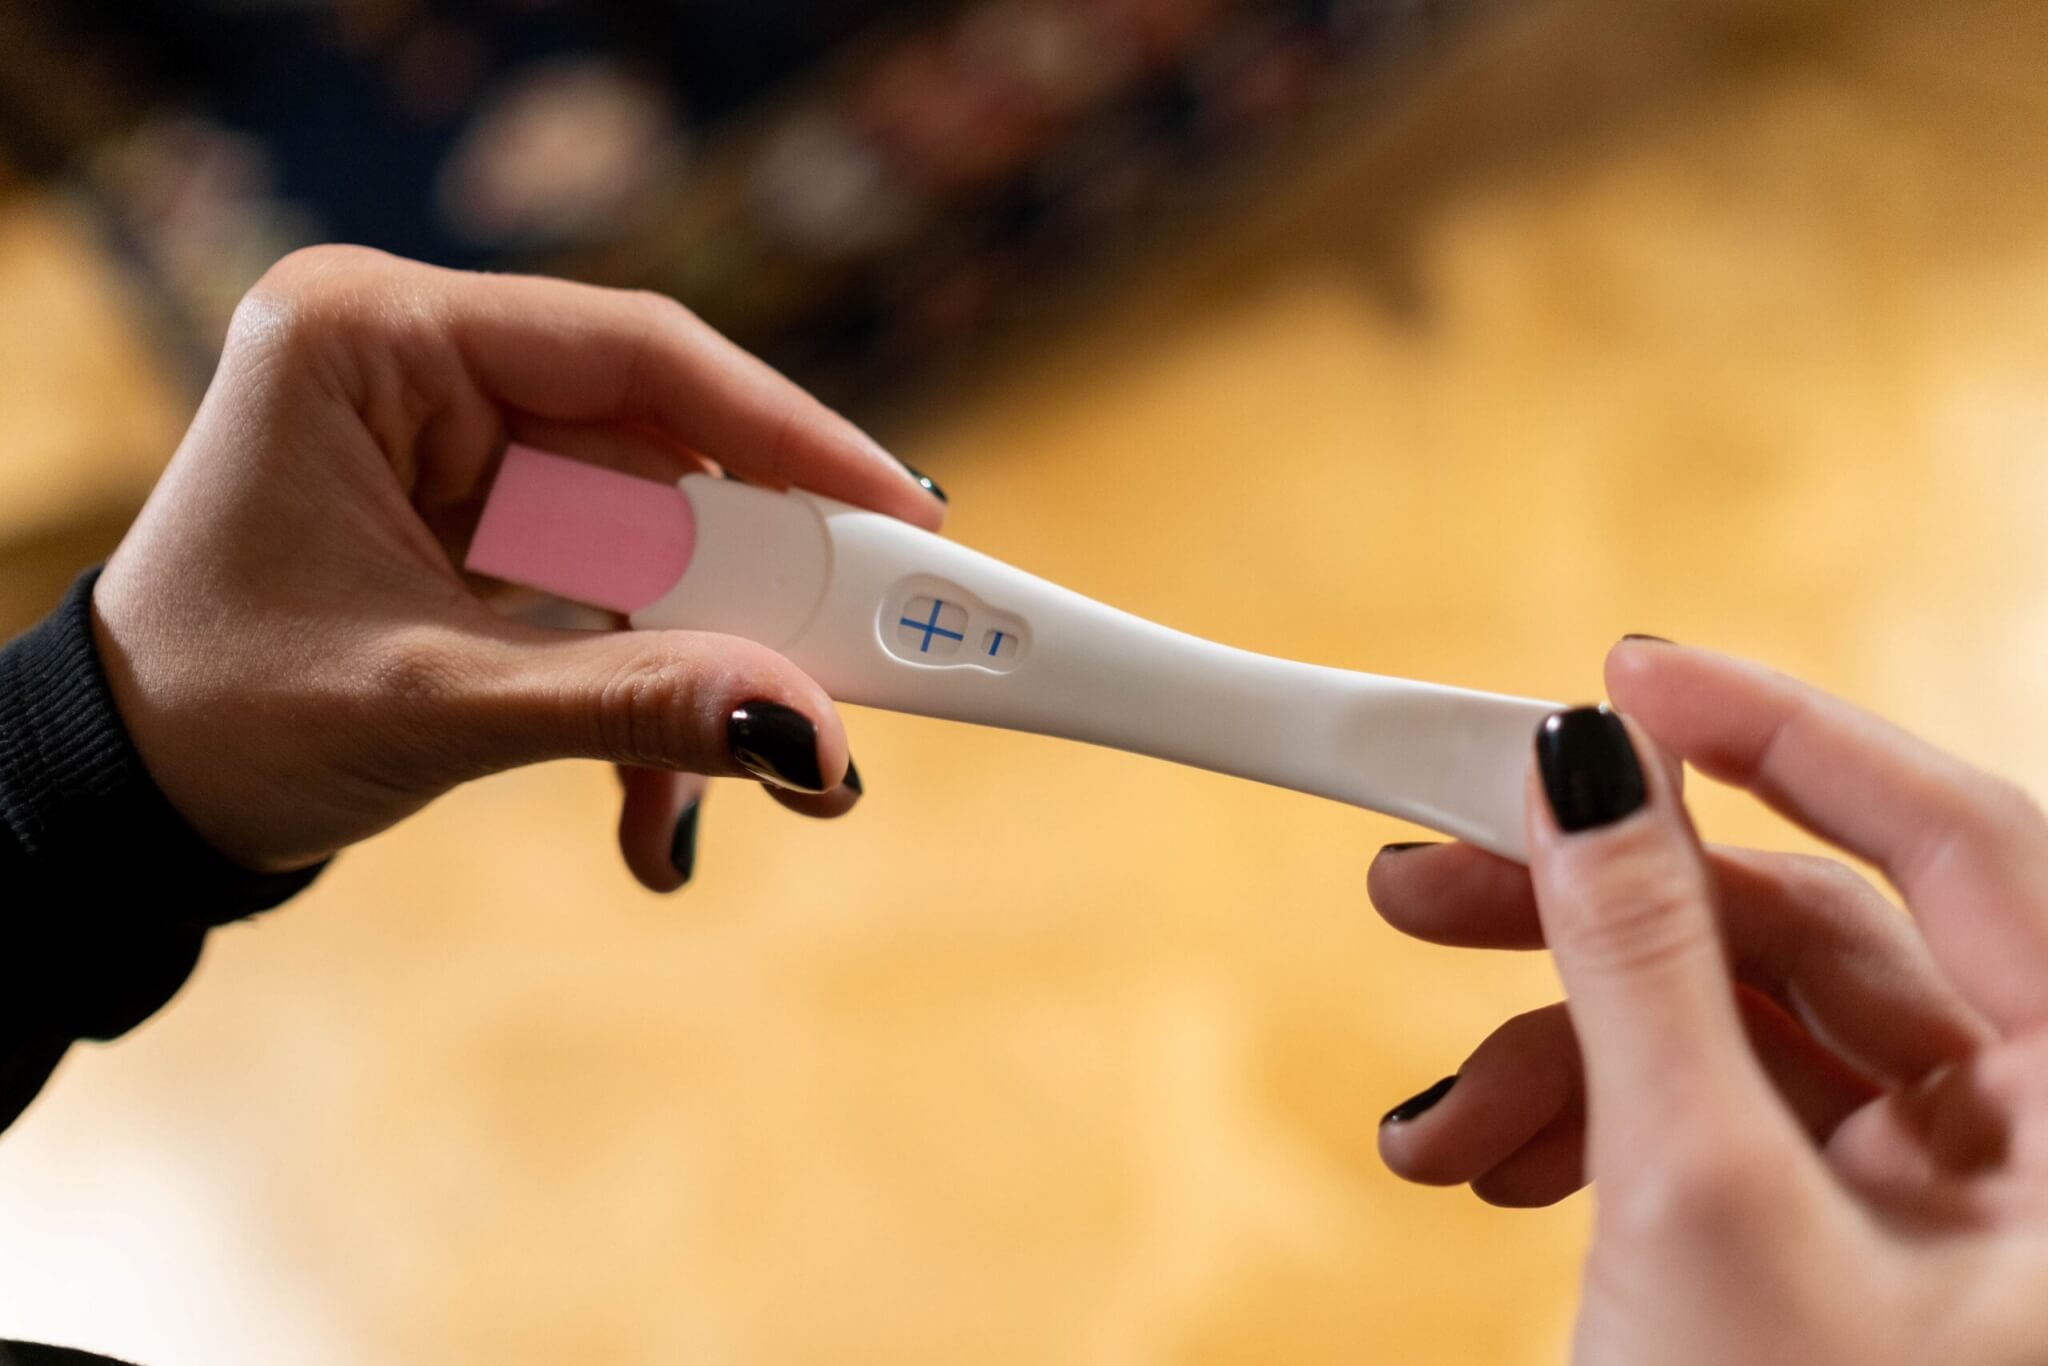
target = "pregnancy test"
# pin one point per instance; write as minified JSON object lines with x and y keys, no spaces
{"x":884,"y":614}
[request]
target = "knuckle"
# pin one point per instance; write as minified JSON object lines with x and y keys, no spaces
{"x":321,"y":261}
{"x":1532,"y":1030}
{"x":1811,"y":870}
{"x":1831,"y":900}
{"x":1810,"y":914}
{"x":781,"y":454}
{"x":310,"y":291}
{"x":320,"y":273}
{"x":415,"y":672}
{"x":1637,"y":912}
{"x":666,"y":328}
{"x":415,"y":688}
{"x":663,"y":312}
{"x":1717,"y":1187}
{"x":1977,"y":816}
{"x":1538,"y":1048}
{"x":2002,"y":809}
{"x":1836,"y":882}
{"x":646,"y":710}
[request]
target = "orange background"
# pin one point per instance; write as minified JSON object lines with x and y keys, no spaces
{"x":1721,"y":321}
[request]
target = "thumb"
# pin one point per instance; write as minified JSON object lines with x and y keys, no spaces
{"x":1628,"y":911}
{"x":684,"y":700}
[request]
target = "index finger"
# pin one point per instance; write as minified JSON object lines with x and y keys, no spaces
{"x":579,"y":353}
{"x":1967,"y":851}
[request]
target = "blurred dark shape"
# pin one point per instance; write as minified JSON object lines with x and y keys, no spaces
{"x":860,"y":191}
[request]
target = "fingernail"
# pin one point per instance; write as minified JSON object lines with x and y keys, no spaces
{"x":852,"y":778}
{"x":1420,"y":1103}
{"x":1654,"y":640}
{"x":776,"y":744}
{"x":1590,"y":773}
{"x":682,"y":846}
{"x":925,"y":482}
{"x":1405,"y":845}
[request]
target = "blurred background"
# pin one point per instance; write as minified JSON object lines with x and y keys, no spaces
{"x":1448,"y":338}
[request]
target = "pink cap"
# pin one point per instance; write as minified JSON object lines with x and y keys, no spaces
{"x":581,"y":532}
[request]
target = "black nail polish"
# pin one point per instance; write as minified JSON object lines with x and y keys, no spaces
{"x":1420,"y":1103}
{"x":1654,"y":640}
{"x":853,"y":777}
{"x":926,"y":482}
{"x":1405,"y":845}
{"x":1589,"y":768}
{"x":776,"y":744}
{"x":682,"y":846}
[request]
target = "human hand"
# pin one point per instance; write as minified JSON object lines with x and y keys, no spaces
{"x":1818,"y":1131}
{"x":286,"y":635}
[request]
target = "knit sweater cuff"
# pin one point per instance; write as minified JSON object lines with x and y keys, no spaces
{"x":119,"y":889}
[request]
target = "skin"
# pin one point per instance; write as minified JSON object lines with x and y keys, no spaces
{"x":299,"y":661}
{"x":1817,"y":1128}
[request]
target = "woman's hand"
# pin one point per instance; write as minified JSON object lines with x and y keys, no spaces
{"x":285,"y":631}
{"x":1819,"y":1131}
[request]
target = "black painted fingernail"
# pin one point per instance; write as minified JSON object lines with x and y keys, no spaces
{"x":776,"y":744}
{"x":1420,"y":1103}
{"x":1405,"y":845}
{"x":1654,"y":640}
{"x":682,"y":846}
{"x":852,"y":778}
{"x":1590,"y":773}
{"x":926,"y":482}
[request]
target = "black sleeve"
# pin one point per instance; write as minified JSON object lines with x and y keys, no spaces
{"x":105,"y":893}
{"x":35,"y":1354}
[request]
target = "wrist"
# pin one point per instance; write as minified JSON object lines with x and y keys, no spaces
{"x":196,"y":773}
{"x":94,"y":823}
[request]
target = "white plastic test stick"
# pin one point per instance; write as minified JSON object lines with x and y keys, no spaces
{"x":884,"y":614}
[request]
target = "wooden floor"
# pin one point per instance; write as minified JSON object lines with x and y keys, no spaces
{"x":1729,"y":329}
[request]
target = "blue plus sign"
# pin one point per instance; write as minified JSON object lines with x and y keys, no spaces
{"x":931,"y":628}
